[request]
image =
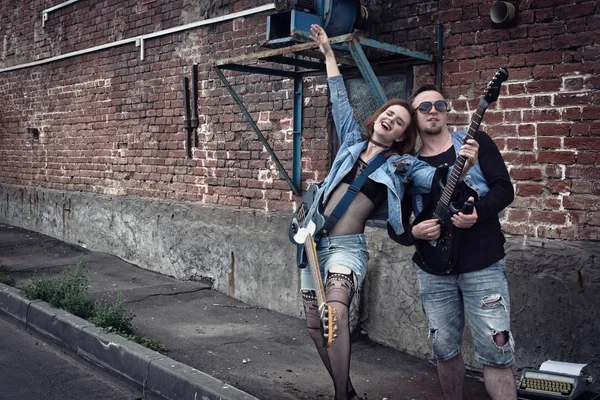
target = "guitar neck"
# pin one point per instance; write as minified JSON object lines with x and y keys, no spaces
{"x":313,"y":262}
{"x":460,"y":162}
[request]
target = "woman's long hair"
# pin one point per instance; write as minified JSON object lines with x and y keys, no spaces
{"x":408,"y":145}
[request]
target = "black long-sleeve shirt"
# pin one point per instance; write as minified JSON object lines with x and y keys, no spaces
{"x":483,"y":243}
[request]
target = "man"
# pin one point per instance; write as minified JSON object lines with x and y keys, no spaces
{"x":476,"y":288}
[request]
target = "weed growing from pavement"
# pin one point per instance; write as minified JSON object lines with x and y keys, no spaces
{"x":4,"y":278}
{"x":70,"y":291}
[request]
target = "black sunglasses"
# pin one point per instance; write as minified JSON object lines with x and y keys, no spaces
{"x":440,"y":105}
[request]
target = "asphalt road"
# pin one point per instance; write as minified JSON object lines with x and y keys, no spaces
{"x":33,"y":369}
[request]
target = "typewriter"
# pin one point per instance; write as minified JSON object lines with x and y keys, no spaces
{"x":537,"y":384}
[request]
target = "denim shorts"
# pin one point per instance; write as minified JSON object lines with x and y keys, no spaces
{"x":480,"y":297}
{"x":349,"y":251}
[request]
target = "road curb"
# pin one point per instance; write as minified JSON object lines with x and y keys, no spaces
{"x":156,"y":375}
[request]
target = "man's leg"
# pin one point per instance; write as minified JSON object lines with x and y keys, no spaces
{"x":487,"y":309}
{"x":442,"y":304}
{"x":452,"y":377}
{"x":500,"y":383}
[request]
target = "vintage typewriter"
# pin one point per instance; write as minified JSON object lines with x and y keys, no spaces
{"x":537,"y":384}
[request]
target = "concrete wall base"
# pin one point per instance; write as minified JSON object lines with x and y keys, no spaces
{"x":554,"y":285}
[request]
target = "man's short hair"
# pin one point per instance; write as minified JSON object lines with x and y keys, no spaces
{"x":428,"y":87}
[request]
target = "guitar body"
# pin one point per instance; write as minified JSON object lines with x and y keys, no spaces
{"x":438,"y":256}
{"x":303,"y":224}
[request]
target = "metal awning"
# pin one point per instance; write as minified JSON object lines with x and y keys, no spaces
{"x":308,"y":61}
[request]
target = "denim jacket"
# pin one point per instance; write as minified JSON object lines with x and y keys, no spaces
{"x":352,"y":145}
{"x":474,"y":177}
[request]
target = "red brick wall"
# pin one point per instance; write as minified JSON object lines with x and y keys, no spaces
{"x":547,"y":121}
{"x":111,"y":123}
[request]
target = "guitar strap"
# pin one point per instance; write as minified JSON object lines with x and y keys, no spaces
{"x":352,"y":191}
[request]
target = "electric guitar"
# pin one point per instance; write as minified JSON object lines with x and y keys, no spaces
{"x":440,"y":256}
{"x":301,"y":232}
{"x":303,"y":224}
{"x":325,"y":310}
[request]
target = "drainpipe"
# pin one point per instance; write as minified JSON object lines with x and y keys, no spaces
{"x":139,"y":40}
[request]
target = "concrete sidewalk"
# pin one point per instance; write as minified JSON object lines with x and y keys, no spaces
{"x":218,"y":347}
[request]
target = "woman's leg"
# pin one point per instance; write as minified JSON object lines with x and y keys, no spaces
{"x":311,"y":309}
{"x":340,"y":286}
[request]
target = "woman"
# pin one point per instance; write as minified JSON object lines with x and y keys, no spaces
{"x":343,"y":252}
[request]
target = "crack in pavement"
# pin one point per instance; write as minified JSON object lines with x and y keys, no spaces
{"x":166,"y":294}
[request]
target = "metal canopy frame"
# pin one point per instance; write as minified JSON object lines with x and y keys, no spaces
{"x":349,"y":53}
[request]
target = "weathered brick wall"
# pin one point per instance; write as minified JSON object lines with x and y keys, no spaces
{"x":547,"y":121}
{"x":111,"y":123}
{"x":111,"y":127}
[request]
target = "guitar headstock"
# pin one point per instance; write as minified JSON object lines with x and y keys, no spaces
{"x":492,"y":91}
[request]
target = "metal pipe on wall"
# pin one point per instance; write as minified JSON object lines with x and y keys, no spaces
{"x":56,"y":7}
{"x":139,"y":40}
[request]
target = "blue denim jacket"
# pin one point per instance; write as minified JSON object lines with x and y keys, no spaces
{"x":474,"y":177}
{"x":352,"y":144}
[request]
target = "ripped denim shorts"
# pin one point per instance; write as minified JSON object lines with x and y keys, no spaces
{"x":479,"y":297}
{"x":348,"y":251}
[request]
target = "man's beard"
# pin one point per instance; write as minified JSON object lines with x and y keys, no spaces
{"x":433,"y":130}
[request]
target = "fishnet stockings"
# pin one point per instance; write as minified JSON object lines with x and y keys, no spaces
{"x":339,"y":290}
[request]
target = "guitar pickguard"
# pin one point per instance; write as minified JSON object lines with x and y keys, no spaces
{"x":302,"y":232}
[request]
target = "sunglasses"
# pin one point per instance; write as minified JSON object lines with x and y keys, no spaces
{"x":440,"y":105}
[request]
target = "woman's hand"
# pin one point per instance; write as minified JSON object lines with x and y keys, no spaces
{"x":319,"y":36}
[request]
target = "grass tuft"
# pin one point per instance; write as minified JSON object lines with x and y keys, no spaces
{"x":71,"y":292}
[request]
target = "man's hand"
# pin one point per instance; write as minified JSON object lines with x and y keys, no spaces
{"x":427,"y":230}
{"x":464,"y":221}
{"x":319,"y":36}
{"x":470,"y":150}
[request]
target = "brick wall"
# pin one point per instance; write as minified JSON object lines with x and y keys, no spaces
{"x":547,"y":120}
{"x":111,"y":123}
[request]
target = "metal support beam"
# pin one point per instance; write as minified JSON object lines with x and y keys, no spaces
{"x":394,"y":49}
{"x":295,"y":62}
{"x":367,"y":72}
{"x":258,"y":70}
{"x":256,"y":129}
{"x":281,"y":51}
{"x":297,"y":143}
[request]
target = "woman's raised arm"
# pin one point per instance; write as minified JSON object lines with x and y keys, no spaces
{"x":348,"y":130}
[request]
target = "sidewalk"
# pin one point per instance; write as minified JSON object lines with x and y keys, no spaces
{"x":243,"y":352}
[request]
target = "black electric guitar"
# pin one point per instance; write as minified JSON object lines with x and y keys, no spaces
{"x":440,"y":256}
{"x":301,"y":232}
